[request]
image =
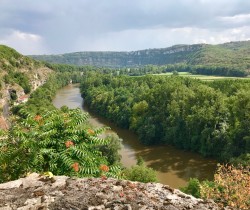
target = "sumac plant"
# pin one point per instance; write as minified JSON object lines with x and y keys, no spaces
{"x":60,"y":141}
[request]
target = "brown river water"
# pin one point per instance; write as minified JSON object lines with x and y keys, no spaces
{"x":174,"y":167}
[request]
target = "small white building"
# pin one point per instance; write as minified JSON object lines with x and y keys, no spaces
{"x":23,"y":99}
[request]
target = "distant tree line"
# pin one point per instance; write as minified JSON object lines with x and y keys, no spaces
{"x":222,"y":70}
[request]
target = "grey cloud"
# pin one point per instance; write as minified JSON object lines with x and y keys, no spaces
{"x":68,"y":25}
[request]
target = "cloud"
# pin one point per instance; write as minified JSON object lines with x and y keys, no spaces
{"x":24,"y":42}
{"x":236,"y":19}
{"x":163,"y":37}
{"x":67,"y":26}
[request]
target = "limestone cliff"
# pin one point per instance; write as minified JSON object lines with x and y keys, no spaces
{"x":19,"y":75}
{"x":61,"y":192}
{"x":234,"y":54}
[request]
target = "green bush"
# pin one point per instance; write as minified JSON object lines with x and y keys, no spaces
{"x":140,"y":172}
{"x":13,"y":95}
{"x":59,"y":142}
{"x":192,"y":188}
{"x":110,"y":151}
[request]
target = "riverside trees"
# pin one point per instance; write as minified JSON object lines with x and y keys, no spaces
{"x":211,"y":118}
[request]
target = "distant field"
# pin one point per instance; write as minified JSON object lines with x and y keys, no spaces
{"x":170,"y":73}
{"x":202,"y":77}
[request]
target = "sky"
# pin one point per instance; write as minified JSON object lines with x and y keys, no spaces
{"x":62,"y":26}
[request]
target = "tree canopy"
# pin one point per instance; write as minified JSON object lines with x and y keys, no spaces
{"x":211,"y":118}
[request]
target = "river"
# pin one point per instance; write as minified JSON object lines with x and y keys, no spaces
{"x":174,"y":167}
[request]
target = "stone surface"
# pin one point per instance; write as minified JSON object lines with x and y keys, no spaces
{"x":61,"y":192}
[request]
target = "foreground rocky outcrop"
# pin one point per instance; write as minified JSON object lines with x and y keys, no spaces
{"x":61,"y":192}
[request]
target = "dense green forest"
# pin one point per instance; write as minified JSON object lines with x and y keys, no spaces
{"x":211,"y":118}
{"x":229,"y":59}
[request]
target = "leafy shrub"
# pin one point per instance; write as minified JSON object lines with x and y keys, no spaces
{"x":192,"y":188}
{"x":59,"y":142}
{"x":231,"y":187}
{"x":243,"y":160}
{"x":110,"y":151}
{"x":140,"y":173}
{"x":13,"y":95}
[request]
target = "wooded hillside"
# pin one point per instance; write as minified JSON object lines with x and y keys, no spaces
{"x":235,"y":54}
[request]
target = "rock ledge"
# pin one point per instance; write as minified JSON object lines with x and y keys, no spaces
{"x":61,"y":192}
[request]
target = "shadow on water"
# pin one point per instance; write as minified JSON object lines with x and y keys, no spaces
{"x":174,"y":167}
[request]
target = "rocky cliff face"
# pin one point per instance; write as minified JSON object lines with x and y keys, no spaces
{"x":161,"y":56}
{"x":61,"y":192}
{"x":13,"y":65}
{"x":36,"y":78}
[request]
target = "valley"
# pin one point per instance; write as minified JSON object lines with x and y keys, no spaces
{"x":168,"y":116}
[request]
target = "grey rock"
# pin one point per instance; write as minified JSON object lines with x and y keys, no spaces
{"x":10,"y":185}
{"x":61,"y":192}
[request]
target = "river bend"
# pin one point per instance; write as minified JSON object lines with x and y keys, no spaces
{"x":174,"y":167}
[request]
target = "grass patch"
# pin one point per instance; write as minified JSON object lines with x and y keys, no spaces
{"x":201,"y":77}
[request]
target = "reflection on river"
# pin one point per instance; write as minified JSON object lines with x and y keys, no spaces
{"x":174,"y":167}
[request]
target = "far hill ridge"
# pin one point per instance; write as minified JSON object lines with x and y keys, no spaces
{"x":235,"y":54}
